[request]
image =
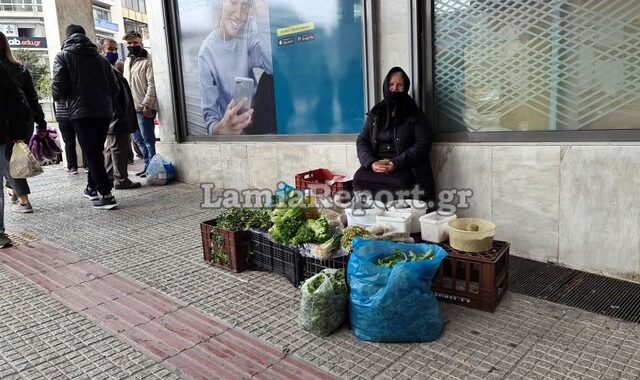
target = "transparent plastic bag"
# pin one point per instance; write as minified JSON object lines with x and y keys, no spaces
{"x":23,"y":164}
{"x":160,"y":171}
{"x":323,"y":307}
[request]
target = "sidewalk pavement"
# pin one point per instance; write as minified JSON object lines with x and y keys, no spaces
{"x":150,"y":248}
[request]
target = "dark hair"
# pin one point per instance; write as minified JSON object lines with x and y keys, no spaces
{"x":73,"y":29}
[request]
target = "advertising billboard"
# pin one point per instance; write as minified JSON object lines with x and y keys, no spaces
{"x":266,"y":67}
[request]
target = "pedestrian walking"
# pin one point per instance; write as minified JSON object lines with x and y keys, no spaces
{"x":18,"y":188}
{"x":86,"y":82}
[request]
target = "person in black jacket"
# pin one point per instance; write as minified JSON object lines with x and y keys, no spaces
{"x":86,"y":81}
{"x":394,"y":145}
{"x":124,"y":123}
{"x":19,"y":187}
{"x":12,"y":113}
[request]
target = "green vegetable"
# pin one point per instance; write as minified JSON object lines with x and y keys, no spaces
{"x":399,"y":256}
{"x":238,"y":219}
{"x":304,"y":235}
{"x":323,"y":305}
{"x":320,"y":228}
{"x":324,"y":250}
{"x":351,"y":233}
{"x":286,"y":226}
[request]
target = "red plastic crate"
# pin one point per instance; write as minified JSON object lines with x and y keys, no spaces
{"x":476,"y":280}
{"x":315,"y":180}
{"x":230,"y":243}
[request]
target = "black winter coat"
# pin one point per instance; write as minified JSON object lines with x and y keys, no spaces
{"x":12,"y":112}
{"x":410,"y":132}
{"x":22,"y":77}
{"x":124,"y":111}
{"x":84,"y":79}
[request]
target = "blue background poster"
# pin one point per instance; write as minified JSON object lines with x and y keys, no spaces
{"x":317,"y":49}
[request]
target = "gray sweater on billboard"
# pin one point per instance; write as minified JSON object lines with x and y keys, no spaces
{"x":220,"y":62}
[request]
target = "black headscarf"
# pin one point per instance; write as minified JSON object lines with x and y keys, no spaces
{"x":398,"y":105}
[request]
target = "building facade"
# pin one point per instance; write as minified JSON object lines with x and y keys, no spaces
{"x":534,"y":106}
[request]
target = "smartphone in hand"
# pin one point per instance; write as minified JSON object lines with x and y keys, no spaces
{"x":243,"y":89}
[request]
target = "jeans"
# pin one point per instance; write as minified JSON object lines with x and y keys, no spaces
{"x":4,"y":165}
{"x":145,"y":136}
{"x":92,"y":134}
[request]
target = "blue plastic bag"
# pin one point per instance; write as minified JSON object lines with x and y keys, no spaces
{"x":393,"y":304}
{"x":159,"y":171}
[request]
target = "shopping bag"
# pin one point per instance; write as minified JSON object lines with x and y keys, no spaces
{"x":46,"y":149}
{"x":394,"y":304}
{"x":323,"y":302}
{"x":23,"y":164}
{"x":160,"y":171}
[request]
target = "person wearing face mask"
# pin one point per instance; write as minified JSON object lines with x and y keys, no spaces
{"x":124,"y":122}
{"x":394,"y":145}
{"x":138,"y":70}
{"x":239,"y":43}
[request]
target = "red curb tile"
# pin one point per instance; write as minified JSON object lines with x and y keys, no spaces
{"x":189,"y":324}
{"x":157,"y":340}
{"x":113,"y":286}
{"x":156,"y":300}
{"x":54,"y":280}
{"x":80,"y":297}
{"x":49,"y":254}
{"x":107,"y":319}
{"x":210,"y":359}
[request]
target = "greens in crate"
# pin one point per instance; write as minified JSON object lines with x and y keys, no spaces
{"x":238,"y":219}
{"x":399,"y":256}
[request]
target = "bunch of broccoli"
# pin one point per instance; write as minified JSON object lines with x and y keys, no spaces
{"x":290,"y":227}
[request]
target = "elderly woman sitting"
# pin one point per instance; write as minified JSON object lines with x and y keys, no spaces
{"x":394,"y":145}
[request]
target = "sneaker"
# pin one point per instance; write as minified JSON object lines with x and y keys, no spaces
{"x":92,"y":195}
{"x":141,"y":173}
{"x":126,"y":185}
{"x":5,"y":241}
{"x":14,"y":197}
{"x":105,"y":203}
{"x":25,"y":209}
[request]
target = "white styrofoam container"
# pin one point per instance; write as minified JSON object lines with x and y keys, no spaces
{"x":399,"y":221}
{"x":410,"y":206}
{"x":434,"y":226}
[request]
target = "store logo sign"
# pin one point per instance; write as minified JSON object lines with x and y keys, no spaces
{"x":28,"y":42}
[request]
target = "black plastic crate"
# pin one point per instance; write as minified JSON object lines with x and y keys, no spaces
{"x":314,"y":266}
{"x":259,"y":249}
{"x":286,"y":260}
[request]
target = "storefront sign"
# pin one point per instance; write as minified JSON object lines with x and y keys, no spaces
{"x":28,"y":42}
{"x":9,"y":30}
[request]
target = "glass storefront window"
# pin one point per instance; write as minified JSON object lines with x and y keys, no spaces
{"x":536,"y":65}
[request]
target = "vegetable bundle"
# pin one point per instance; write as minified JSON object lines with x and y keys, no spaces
{"x":323,"y":306}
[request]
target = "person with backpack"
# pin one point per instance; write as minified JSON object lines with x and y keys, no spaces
{"x":86,"y":81}
{"x":12,"y":113}
{"x":20,"y":75}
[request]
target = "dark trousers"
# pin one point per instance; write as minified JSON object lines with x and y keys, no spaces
{"x":116,"y":154}
{"x":69,"y":138}
{"x":19,"y":185}
{"x":394,"y":182}
{"x":92,"y":133}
